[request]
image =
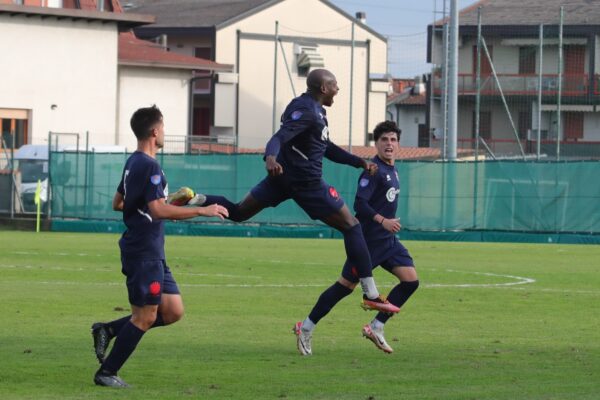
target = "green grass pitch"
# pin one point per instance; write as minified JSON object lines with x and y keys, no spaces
{"x":490,"y":321}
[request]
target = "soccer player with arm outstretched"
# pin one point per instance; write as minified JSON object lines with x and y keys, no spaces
{"x":153,"y":293}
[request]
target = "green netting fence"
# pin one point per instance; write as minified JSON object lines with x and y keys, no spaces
{"x":514,"y":196}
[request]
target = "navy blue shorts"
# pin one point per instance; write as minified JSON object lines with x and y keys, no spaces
{"x":147,"y":280}
{"x":390,"y":256}
{"x":317,"y":199}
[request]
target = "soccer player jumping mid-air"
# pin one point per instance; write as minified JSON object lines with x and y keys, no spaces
{"x":294,"y":162}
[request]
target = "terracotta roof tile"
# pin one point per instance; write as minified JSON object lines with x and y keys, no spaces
{"x":418,"y":99}
{"x":134,"y":51}
{"x":404,"y":153}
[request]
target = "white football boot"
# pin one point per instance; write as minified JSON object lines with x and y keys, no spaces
{"x":303,"y":339}
{"x":376,"y":336}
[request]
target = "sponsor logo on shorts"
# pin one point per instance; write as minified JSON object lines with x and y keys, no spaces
{"x":333,"y":193}
{"x":155,"y":179}
{"x":155,"y":288}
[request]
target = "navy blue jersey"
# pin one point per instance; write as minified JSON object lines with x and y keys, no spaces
{"x":142,"y":182}
{"x":303,"y":140}
{"x":377,"y":194}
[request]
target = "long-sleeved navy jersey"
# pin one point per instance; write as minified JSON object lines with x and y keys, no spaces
{"x":303,"y":140}
{"x":377,"y":194}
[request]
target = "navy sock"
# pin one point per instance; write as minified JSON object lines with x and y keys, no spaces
{"x":398,"y":296}
{"x":357,"y":251}
{"x":232,"y":208}
{"x":327,"y":300}
{"x":125,"y":344}
{"x":115,"y":326}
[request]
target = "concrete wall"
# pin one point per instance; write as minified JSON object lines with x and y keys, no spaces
{"x":143,"y":87}
{"x":406,"y":120}
{"x":69,"y":64}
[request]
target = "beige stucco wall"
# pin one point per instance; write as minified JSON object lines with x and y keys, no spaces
{"x":143,"y":87}
{"x":310,"y":19}
{"x":71,"y":64}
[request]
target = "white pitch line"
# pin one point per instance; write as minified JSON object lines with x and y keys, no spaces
{"x":111,"y":270}
{"x":519,"y":280}
{"x":297,"y":285}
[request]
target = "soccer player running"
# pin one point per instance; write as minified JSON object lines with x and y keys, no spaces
{"x":294,"y":162}
{"x":375,"y":204}
{"x":153,"y":294}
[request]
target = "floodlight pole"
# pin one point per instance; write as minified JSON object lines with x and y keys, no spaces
{"x":453,"y":81}
{"x":274,"y":117}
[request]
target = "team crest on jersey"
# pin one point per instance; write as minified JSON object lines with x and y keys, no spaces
{"x":296,"y":115}
{"x":333,"y":193}
{"x":155,"y":179}
{"x":325,"y":133}
{"x":364,"y":182}
{"x":154,"y":288}
{"x":391,"y":194}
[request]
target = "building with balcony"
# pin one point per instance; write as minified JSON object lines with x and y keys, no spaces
{"x":519,"y":70}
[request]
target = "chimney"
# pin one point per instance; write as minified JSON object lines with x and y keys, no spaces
{"x":419,"y":87}
{"x":361,"y":16}
{"x":162,"y":41}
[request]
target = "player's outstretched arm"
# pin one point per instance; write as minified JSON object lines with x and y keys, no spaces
{"x":159,"y":209}
{"x":341,"y":156}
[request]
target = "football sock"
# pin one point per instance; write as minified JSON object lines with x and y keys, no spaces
{"x":232,"y":208}
{"x":125,"y":344}
{"x":114,"y":327}
{"x":308,"y":325}
{"x":329,"y":298}
{"x":358,"y":255}
{"x":377,"y":325}
{"x":369,"y":288}
{"x":398,"y":296}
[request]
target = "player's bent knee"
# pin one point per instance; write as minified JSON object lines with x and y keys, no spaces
{"x":145,"y":321}
{"x":173,"y":316}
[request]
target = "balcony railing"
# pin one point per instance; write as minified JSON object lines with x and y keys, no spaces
{"x":521,"y":85}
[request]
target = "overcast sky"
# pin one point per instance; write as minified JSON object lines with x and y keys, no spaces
{"x":404,"y":23}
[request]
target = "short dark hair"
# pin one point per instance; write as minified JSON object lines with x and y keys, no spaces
{"x":384,"y":127}
{"x":143,"y":120}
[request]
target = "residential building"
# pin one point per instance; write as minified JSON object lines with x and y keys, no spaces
{"x":74,"y":69}
{"x":406,"y":105}
{"x":511,"y":81}
{"x":272,"y":45}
